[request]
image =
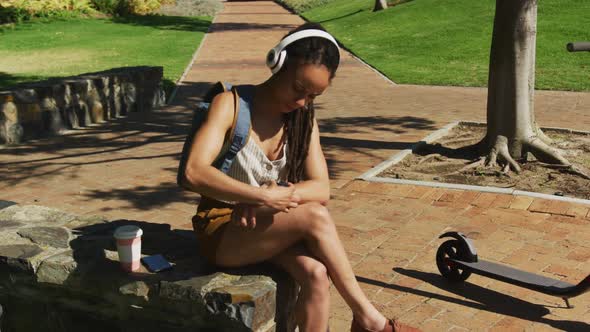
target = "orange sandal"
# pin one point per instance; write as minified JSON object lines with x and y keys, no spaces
{"x":391,"y":326}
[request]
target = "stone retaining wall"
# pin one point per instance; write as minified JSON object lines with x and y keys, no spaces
{"x":60,"y":272}
{"x":44,"y":108}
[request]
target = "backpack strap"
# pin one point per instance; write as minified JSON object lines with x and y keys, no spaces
{"x":240,"y":131}
{"x":217,"y":88}
{"x":199,"y":116}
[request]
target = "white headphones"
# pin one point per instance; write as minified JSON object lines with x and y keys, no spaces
{"x":277,"y":55}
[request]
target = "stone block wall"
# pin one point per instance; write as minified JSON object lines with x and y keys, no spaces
{"x":48,"y":107}
{"x":60,"y":272}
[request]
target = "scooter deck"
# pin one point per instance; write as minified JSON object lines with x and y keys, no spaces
{"x":518,"y":277}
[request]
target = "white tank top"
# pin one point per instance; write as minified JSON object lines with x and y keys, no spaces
{"x":253,"y":167}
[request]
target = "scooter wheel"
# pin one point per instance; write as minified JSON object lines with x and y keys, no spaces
{"x":451,"y":249}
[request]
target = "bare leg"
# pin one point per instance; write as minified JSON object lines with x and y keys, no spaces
{"x":313,"y":304}
{"x":312,"y":224}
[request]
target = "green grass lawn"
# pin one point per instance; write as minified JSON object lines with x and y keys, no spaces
{"x":447,"y":42}
{"x":56,"y":48}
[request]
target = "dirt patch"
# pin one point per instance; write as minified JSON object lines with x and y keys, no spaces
{"x":441,"y":161}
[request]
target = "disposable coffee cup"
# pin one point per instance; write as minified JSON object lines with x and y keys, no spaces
{"x":129,"y":246}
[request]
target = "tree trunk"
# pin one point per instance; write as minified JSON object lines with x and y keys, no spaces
{"x":379,"y":5}
{"x":512,"y":130}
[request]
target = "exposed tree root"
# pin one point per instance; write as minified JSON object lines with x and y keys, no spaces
{"x":441,"y":164}
{"x":499,"y":156}
{"x":506,"y":169}
{"x":551,"y":158}
{"x":429,"y":157}
{"x":500,"y":149}
{"x":573,"y":169}
{"x":543,"y":137}
{"x":456,"y":141}
{"x":545,"y":153}
{"x":472,"y":165}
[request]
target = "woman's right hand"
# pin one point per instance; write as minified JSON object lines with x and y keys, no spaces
{"x":281,"y":198}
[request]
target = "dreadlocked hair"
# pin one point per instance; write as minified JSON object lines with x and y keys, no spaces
{"x":298,"y":126}
{"x":299,"y":123}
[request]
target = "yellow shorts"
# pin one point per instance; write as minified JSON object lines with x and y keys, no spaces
{"x":209,"y":224}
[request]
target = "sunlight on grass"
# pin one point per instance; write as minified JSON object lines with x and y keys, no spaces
{"x":50,"y":62}
{"x":447,"y":42}
{"x":57,"y":48}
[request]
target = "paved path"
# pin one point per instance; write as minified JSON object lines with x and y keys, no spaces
{"x":126,"y":169}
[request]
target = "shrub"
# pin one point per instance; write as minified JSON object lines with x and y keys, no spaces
{"x":112,"y":7}
{"x":48,"y":6}
{"x":21,"y":10}
{"x":125,"y":7}
{"x":13,"y":14}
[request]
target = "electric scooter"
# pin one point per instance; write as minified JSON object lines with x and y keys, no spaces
{"x":457,"y":260}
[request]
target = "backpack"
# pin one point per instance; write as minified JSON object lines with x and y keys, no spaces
{"x":235,"y":138}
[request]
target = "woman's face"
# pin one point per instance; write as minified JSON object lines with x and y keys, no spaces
{"x":300,"y":84}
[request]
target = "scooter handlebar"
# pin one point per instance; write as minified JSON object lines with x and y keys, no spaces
{"x":578,"y":46}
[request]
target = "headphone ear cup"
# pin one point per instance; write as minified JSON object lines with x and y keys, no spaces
{"x":271,"y":58}
{"x":280,"y":61}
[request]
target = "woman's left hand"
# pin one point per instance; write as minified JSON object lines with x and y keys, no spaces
{"x":244,"y":215}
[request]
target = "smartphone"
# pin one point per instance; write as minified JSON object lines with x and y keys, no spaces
{"x":283,"y":184}
{"x":156,"y":263}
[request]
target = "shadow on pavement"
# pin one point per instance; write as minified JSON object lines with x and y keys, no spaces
{"x":112,"y":141}
{"x":480,"y":298}
{"x":143,"y":138}
{"x":396,"y":125}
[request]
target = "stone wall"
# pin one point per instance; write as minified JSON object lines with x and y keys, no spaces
{"x":48,"y":107}
{"x":60,"y":272}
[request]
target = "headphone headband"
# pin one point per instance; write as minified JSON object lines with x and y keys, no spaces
{"x":277,"y":55}
{"x":304,"y":34}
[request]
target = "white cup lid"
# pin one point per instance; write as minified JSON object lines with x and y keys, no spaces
{"x":128,"y":232}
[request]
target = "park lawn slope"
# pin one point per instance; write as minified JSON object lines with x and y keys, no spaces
{"x":42,"y":49}
{"x":447,"y":42}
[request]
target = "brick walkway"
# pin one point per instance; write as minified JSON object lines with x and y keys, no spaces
{"x":126,"y":169}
